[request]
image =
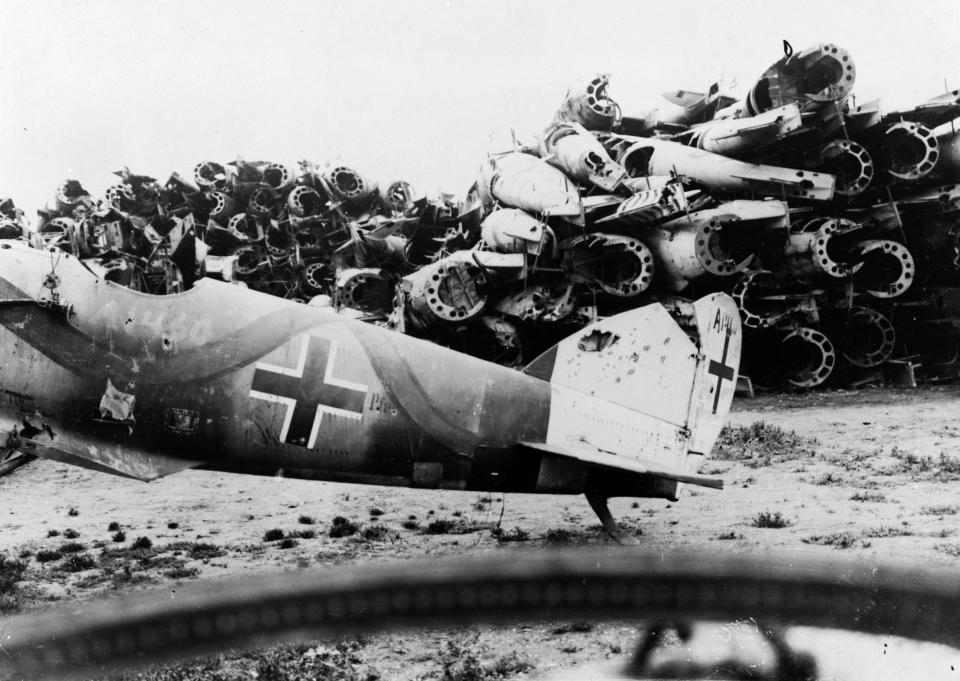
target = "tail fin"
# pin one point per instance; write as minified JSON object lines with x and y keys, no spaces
{"x":640,"y":386}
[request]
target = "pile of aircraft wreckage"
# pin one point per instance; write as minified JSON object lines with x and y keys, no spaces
{"x":833,"y":225}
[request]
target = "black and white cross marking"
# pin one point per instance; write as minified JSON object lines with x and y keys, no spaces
{"x":305,"y":394}
{"x":721,"y":370}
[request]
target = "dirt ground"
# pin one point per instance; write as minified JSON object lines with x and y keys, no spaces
{"x":876,"y":474}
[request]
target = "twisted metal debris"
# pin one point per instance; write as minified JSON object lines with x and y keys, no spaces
{"x":835,"y":226}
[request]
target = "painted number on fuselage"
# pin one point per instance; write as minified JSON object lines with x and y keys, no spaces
{"x":308,"y":391}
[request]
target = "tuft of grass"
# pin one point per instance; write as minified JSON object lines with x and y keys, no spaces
{"x":72,"y":547}
{"x":888,"y":531}
{"x":510,"y":665}
{"x":949,"y":549}
{"x":78,"y":562}
{"x":342,"y":527}
{"x":464,"y":659}
{"x":760,"y":444}
{"x":203,"y":551}
{"x":142,"y":543}
{"x":73,"y":512}
{"x":559,"y":535}
{"x":181,"y":572}
{"x":482,"y":503}
{"x":943,"y":467}
{"x":940,"y":510}
{"x":410,"y":524}
{"x":11,"y":572}
{"x":273,"y":535}
{"x":25,"y":553}
{"x":288,"y":543}
{"x":376,"y":512}
{"x":172,"y":525}
{"x":378,"y":533}
{"x":119,"y":537}
{"x":303,"y":534}
{"x":300,"y":661}
{"x":867,"y":496}
{"x":840,"y":540}
{"x":448,"y":526}
{"x":70,"y":533}
{"x":572,"y":628}
{"x":53,"y":533}
{"x":305,"y":520}
{"x":726,"y":536}
{"x":440,"y":526}
{"x":46,"y":555}
{"x":829,"y":479}
{"x":113,"y":526}
{"x":516,"y":535}
{"x":768,"y":520}
{"x":949,"y":466}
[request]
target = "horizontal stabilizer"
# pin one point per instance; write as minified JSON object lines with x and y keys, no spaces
{"x":609,"y":460}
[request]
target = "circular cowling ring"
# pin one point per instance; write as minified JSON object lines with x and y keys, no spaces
{"x":364,"y":289}
{"x":893,"y":250}
{"x":304,"y":202}
{"x":69,"y":195}
{"x":205,"y":172}
{"x":910,"y":150}
{"x":398,"y":197}
{"x":844,"y":83}
{"x":818,"y":355}
{"x":850,"y":163}
{"x":642,"y":271}
{"x":250,"y":260}
{"x":224,"y":207}
{"x":315,"y":279}
{"x":118,"y":194}
{"x":875,"y":334}
{"x":263,"y":203}
{"x":280,"y":243}
{"x":347,"y":182}
{"x":750,"y":314}
{"x":711,"y":256}
{"x":452,"y":291}
{"x":60,"y":233}
{"x":821,"y":248}
{"x":243,"y":224}
{"x":277,"y":176}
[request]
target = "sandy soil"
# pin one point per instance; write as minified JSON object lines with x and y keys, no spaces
{"x":873,"y":485}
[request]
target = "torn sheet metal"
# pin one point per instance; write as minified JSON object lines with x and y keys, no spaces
{"x":116,"y":404}
{"x":511,"y":230}
{"x":572,"y":149}
{"x":527,"y":182}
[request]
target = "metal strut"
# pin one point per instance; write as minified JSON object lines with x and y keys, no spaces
{"x":598,"y":503}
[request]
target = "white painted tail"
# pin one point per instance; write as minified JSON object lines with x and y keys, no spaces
{"x":638,"y":386}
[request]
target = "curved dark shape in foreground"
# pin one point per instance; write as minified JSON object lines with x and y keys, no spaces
{"x":84,"y":638}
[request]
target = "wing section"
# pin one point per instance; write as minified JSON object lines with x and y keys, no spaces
{"x":127,"y":464}
{"x":33,"y":435}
